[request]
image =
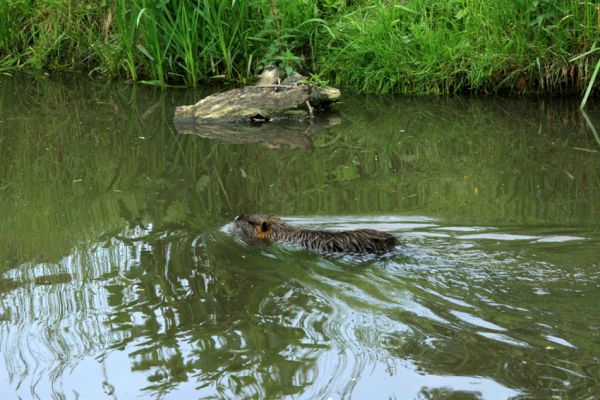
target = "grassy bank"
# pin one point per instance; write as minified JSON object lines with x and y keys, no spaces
{"x":414,"y":46}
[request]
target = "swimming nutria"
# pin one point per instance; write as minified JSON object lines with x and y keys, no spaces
{"x":270,"y":229}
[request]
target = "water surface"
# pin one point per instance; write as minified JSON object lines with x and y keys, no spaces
{"x":119,"y":277}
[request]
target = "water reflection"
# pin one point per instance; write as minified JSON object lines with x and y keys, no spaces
{"x":226,"y":324}
{"x":275,"y":135}
{"x":117,"y":278}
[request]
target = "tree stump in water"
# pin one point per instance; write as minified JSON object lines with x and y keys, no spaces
{"x":264,"y":102}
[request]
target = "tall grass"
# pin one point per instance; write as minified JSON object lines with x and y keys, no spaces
{"x":458,"y":45}
{"x":190,"y":42}
{"x":51,"y":34}
{"x":415,"y":46}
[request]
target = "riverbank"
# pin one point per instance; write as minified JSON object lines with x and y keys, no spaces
{"x":415,"y":47}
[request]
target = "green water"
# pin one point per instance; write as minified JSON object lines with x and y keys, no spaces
{"x":119,"y":277}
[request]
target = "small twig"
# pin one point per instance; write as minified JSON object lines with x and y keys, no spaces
{"x":590,"y":125}
{"x":277,"y":86}
{"x":310,"y":109}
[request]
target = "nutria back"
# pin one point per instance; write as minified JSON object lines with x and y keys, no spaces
{"x":268,"y":230}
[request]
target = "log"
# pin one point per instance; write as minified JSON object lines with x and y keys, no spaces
{"x":264,"y":103}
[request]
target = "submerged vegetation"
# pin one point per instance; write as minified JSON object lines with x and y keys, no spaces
{"x":415,"y":46}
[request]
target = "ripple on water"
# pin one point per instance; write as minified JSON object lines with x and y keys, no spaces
{"x":476,"y":321}
{"x":446,"y":315}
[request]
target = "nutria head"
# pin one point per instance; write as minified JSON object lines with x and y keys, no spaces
{"x":259,"y":227}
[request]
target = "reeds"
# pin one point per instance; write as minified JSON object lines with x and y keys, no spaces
{"x":410,"y":47}
{"x":190,"y":42}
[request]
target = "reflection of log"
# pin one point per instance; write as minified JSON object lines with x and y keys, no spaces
{"x":274,"y":136}
{"x":258,"y":103}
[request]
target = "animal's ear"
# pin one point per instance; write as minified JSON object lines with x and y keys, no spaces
{"x":264,"y":226}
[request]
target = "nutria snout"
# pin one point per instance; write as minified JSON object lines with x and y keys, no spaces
{"x":268,"y":230}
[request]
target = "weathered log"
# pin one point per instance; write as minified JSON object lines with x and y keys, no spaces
{"x":265,"y":102}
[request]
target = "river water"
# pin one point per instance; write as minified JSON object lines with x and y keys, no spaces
{"x":119,"y":277}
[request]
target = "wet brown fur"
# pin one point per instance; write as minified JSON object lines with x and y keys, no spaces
{"x":271,"y":229}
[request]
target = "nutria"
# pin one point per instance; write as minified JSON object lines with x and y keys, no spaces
{"x":270,"y":229}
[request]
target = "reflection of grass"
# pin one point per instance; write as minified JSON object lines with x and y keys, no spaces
{"x":79,"y":161}
{"x":58,"y":161}
{"x":211,"y":319}
{"x":452,"y":159}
